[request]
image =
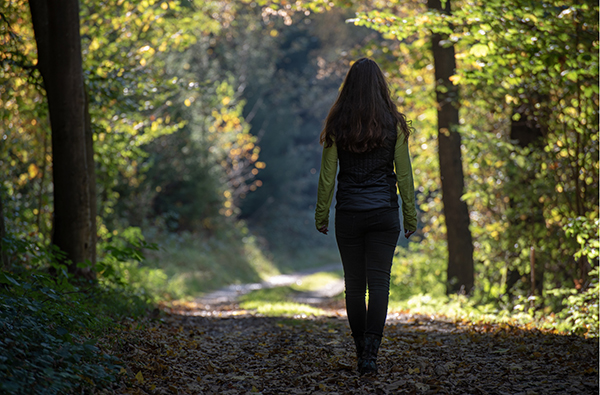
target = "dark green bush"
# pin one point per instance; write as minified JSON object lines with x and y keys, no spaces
{"x":50,"y":322}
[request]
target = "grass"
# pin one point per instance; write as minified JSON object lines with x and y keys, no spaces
{"x":459,"y":308}
{"x":278,"y":301}
{"x":288,"y":260}
{"x":317,"y":281}
{"x":190,"y":264}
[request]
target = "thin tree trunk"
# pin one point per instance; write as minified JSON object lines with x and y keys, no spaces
{"x":42,"y":180}
{"x":527,"y":133}
{"x":91,"y":168}
{"x":460,"y":243}
{"x":56,"y":27}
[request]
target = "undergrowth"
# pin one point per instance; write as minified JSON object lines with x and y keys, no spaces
{"x":188,"y":264}
{"x":50,"y":321}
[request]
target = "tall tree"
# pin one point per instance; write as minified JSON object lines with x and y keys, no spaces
{"x":56,"y":27}
{"x":460,"y":243}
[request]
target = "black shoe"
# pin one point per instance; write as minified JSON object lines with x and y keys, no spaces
{"x":368,"y":364}
{"x":359,"y":342}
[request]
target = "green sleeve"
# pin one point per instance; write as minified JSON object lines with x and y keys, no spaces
{"x":326,"y":185}
{"x":406,"y":186}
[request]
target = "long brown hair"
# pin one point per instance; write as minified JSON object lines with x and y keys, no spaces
{"x":363,"y":116}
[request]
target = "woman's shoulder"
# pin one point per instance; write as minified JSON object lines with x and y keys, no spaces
{"x":400,"y":135}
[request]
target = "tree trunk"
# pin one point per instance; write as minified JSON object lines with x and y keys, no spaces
{"x":56,"y":27}
{"x":91,"y":168}
{"x":460,"y":243}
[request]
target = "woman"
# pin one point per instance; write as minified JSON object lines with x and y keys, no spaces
{"x":367,"y":135}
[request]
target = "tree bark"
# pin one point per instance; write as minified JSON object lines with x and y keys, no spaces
{"x":91,"y":169}
{"x":56,"y":28}
{"x":460,"y":244}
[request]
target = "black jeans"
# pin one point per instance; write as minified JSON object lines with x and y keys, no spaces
{"x":367,"y":240}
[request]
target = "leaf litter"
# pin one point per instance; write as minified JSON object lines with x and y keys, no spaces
{"x":196,"y":349}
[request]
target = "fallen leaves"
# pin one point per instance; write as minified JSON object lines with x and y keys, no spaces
{"x":244,"y":353}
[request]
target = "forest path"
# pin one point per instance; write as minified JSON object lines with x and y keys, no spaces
{"x":229,"y":295}
{"x":221,"y":349}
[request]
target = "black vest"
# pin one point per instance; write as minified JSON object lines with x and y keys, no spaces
{"x":366,"y":180}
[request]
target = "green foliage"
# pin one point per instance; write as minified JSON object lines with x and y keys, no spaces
{"x":418,"y":269}
{"x":49,"y":324}
{"x":188,"y":264}
{"x":130,"y":91}
{"x":137,"y":94}
{"x":41,"y":357}
{"x":524,"y":64}
{"x":581,"y":308}
{"x":279,"y":309}
{"x":580,"y":311}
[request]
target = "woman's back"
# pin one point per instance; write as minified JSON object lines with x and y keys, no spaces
{"x":366,"y":180}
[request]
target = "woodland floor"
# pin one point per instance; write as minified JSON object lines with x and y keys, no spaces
{"x":199,"y":349}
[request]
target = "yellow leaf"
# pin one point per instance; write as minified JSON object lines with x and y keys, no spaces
{"x":455,"y":79}
{"x":532,"y":17}
{"x":140,"y":377}
{"x":33,"y":171}
{"x":94,"y":45}
{"x":187,"y":102}
{"x":122,"y":371}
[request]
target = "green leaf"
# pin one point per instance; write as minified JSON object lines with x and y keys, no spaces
{"x":5,"y":279}
{"x":479,"y":50}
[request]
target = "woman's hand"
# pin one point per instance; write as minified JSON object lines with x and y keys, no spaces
{"x":407,"y":233}
{"x":323,"y":229}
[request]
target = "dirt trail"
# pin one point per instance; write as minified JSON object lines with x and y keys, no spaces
{"x":219,"y":349}
{"x":230,"y":294}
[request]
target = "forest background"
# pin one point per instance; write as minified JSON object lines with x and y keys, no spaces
{"x":205,"y":116}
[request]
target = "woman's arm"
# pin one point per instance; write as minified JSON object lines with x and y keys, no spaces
{"x":326,"y":186}
{"x":406,"y":186}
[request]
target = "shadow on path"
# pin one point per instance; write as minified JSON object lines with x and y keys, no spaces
{"x":231,"y":351}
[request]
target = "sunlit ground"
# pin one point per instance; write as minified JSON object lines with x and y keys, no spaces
{"x":287,"y":301}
